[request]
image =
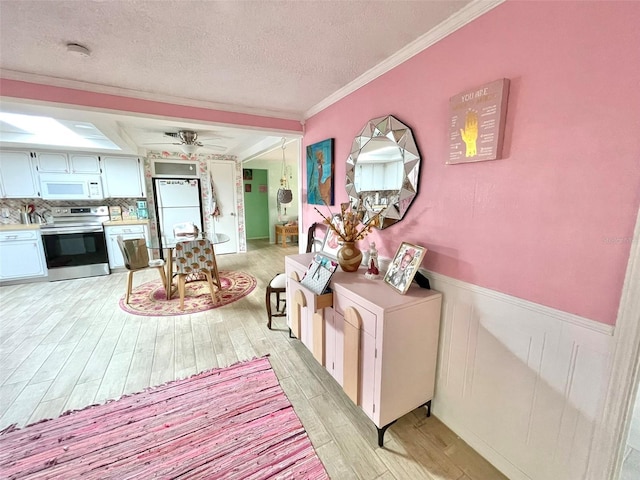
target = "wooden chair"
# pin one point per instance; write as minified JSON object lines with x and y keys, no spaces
{"x":278,"y":284}
{"x":193,"y":258}
{"x":136,"y":258}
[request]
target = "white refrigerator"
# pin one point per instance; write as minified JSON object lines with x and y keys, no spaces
{"x":177,"y":201}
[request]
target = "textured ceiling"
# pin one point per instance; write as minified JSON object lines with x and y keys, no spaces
{"x":276,"y":58}
{"x":266,"y":55}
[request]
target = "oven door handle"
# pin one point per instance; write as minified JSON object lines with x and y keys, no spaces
{"x":58,"y":231}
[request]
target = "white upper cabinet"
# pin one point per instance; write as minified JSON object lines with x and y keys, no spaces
{"x":83,"y":163}
{"x":53,"y":162}
{"x":72,"y":163}
{"x":123,"y":177}
{"x":17,"y":179}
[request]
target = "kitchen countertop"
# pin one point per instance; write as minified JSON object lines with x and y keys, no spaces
{"x":19,"y":226}
{"x":111,"y":223}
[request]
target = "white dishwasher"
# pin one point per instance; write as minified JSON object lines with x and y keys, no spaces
{"x":21,"y":255}
{"x":112,"y":232}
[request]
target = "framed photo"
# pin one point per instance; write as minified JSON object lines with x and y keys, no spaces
{"x":247,"y":174}
{"x":404,"y":266}
{"x":320,"y":173}
{"x":331,"y":243}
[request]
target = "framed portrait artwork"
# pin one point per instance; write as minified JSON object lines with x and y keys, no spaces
{"x":320,"y":173}
{"x":331,"y":243}
{"x":404,"y":266}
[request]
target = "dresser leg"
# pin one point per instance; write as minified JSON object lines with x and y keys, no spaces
{"x":381,"y":433}
{"x":428,"y":405}
{"x":290,"y":334}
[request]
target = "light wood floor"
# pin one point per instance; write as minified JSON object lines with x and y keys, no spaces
{"x":65,"y":345}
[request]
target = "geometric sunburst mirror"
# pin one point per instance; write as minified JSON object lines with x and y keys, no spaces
{"x":383,"y":169}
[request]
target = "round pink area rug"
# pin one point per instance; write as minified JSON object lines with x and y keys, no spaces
{"x":149,"y":299}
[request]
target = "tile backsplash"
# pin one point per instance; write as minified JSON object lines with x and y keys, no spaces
{"x":10,"y":207}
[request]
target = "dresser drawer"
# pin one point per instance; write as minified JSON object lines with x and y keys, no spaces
{"x":369,"y":319}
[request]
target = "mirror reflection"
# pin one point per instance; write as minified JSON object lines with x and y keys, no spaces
{"x":379,"y":166}
{"x":382,"y":170}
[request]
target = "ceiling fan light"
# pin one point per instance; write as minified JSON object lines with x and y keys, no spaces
{"x":189,"y":149}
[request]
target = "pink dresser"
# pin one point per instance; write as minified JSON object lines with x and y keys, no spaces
{"x":380,"y":346}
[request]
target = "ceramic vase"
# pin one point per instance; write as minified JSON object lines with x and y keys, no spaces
{"x":349,"y":257}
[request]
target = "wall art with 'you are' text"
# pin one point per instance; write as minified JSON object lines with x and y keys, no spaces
{"x":477,"y":119}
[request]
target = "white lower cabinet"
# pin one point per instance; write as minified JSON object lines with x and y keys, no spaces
{"x":380,"y":346}
{"x":21,"y":255}
{"x":111,"y":233}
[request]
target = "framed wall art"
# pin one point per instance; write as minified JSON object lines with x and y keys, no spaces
{"x":477,"y":119}
{"x":320,"y":173}
{"x":404,"y":266}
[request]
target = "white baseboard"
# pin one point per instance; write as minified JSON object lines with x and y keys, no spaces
{"x":522,"y":383}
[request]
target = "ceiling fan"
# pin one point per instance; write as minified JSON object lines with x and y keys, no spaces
{"x":188,"y":141}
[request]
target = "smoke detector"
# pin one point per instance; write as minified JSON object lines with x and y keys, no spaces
{"x":78,"y":49}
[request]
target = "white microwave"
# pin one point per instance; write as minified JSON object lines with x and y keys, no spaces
{"x":71,"y":187}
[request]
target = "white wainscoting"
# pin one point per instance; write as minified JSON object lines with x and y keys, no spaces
{"x":523,"y":384}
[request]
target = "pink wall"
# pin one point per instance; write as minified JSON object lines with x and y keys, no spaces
{"x":33,"y":91}
{"x":552,"y":222}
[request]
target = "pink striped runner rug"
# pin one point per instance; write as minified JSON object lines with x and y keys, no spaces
{"x":231,"y":423}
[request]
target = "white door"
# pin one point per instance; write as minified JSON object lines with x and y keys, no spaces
{"x":224,"y":184}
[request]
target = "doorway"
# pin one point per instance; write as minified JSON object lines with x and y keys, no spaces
{"x":256,"y":202}
{"x":223,"y":177}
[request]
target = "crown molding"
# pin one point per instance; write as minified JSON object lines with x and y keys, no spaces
{"x":458,"y":20}
{"x":152,"y":97}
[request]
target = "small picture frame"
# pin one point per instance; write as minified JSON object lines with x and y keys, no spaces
{"x":404,"y":266}
{"x":331,"y":243}
{"x":115,"y":213}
